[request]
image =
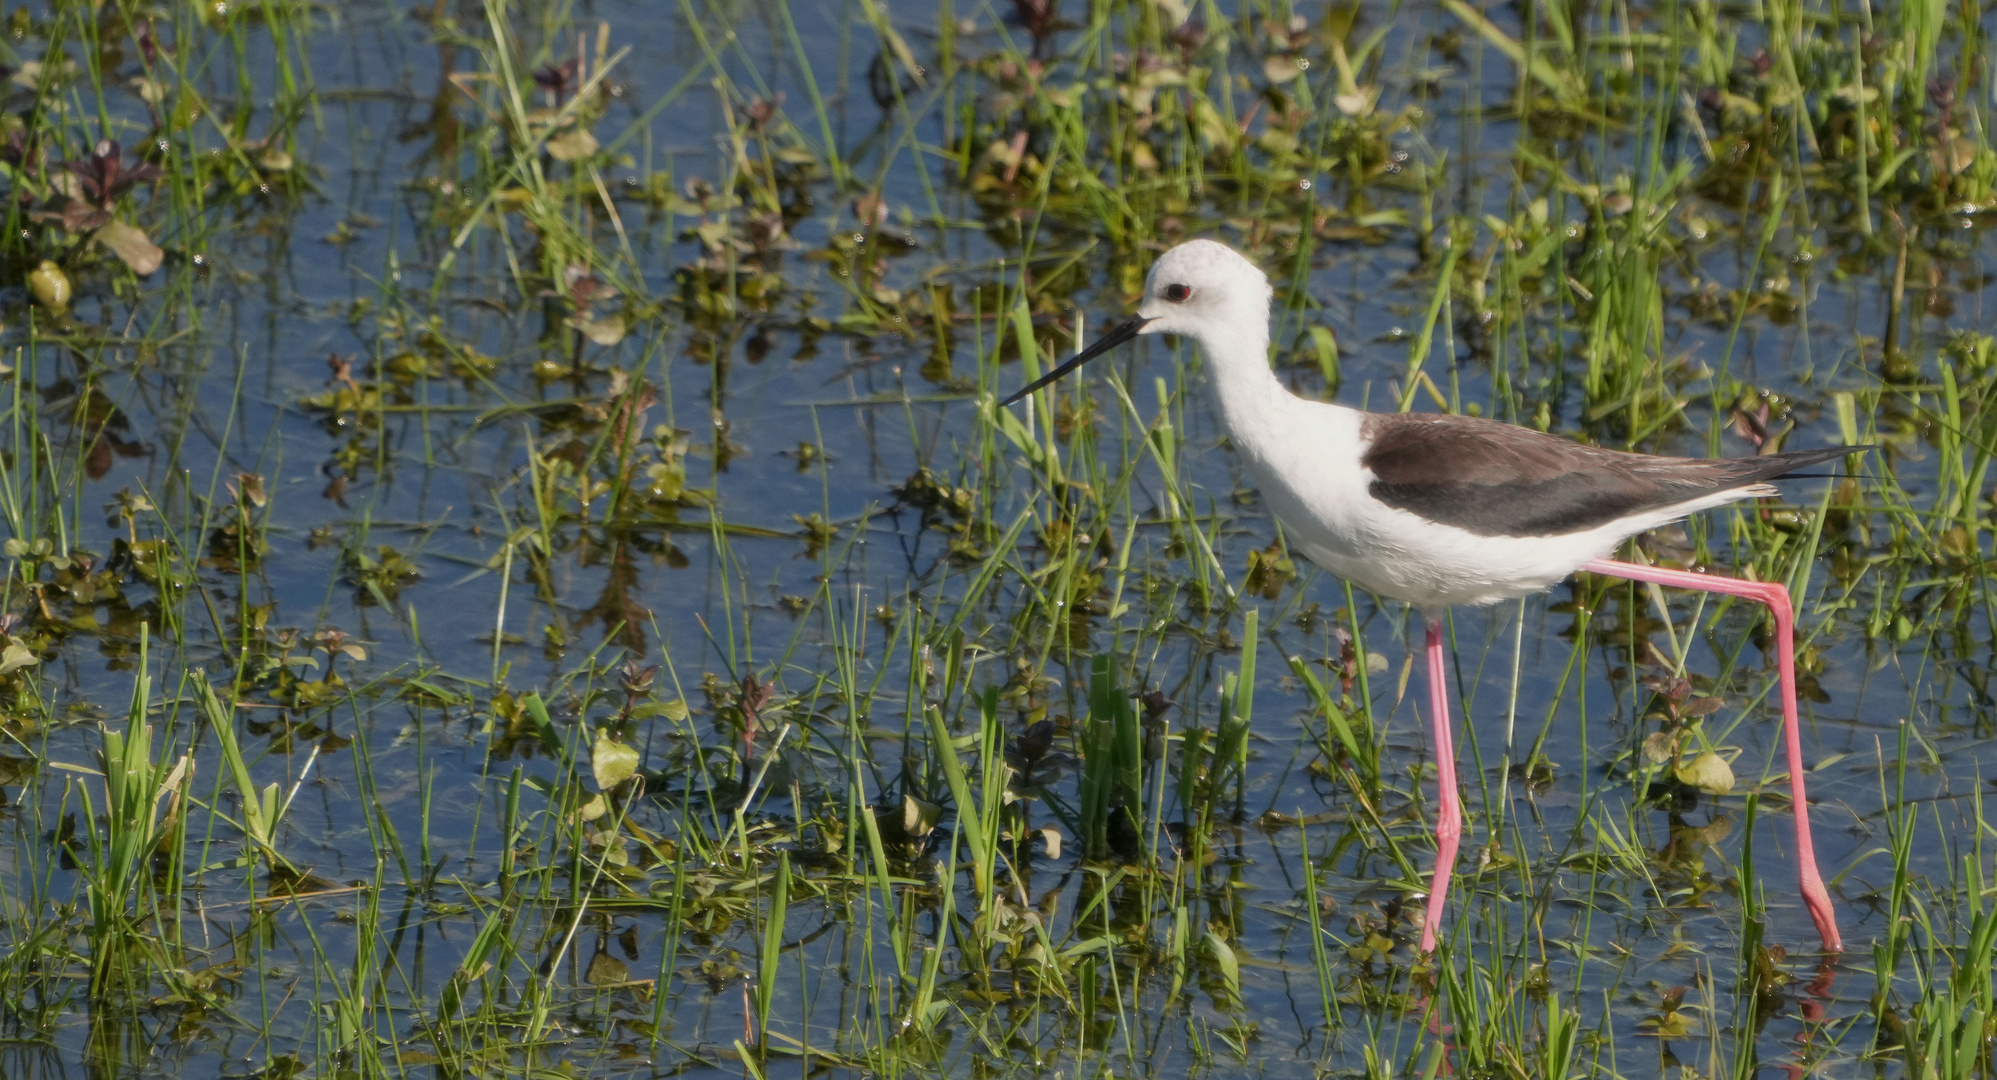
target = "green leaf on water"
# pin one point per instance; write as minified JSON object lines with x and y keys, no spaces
{"x":917,"y":816}
{"x":607,"y":970}
{"x":1379,"y":219}
{"x":1224,"y":959}
{"x":1669,"y":1026}
{"x":671,"y":710}
{"x":1709,"y":772}
{"x":16,"y":657}
{"x":606,"y":331}
{"x":1659,"y":747}
{"x":572,"y":145}
{"x":130,"y":243}
{"x":611,"y":761}
{"x":544,"y":725}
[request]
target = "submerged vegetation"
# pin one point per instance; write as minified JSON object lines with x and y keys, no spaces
{"x":513,"y":566}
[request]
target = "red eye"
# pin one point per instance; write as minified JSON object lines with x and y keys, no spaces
{"x":1178,"y":294}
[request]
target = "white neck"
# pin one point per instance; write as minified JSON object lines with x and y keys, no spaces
{"x":1246,"y":390}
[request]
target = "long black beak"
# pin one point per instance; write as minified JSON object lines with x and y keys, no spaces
{"x":1122,"y":333}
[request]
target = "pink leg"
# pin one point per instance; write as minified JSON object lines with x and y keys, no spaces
{"x":1449,"y":821}
{"x":1772,"y":594}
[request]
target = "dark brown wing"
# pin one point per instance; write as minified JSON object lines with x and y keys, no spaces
{"x":1497,"y":479}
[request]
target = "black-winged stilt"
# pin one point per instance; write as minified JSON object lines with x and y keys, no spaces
{"x":1439,"y":510}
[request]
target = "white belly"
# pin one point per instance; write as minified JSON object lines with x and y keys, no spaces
{"x":1443,"y":567}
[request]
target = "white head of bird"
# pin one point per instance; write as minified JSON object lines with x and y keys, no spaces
{"x":1203,"y":290}
{"x":1209,"y":292}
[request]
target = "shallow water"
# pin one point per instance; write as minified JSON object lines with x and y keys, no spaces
{"x":1570,"y":880}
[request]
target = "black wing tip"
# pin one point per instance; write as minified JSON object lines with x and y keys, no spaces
{"x":1790,"y":460}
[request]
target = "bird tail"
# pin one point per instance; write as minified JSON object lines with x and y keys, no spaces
{"x":1802,"y":459}
{"x":1757,"y":471}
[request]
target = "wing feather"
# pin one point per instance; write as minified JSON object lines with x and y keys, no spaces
{"x":1496,"y":479}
